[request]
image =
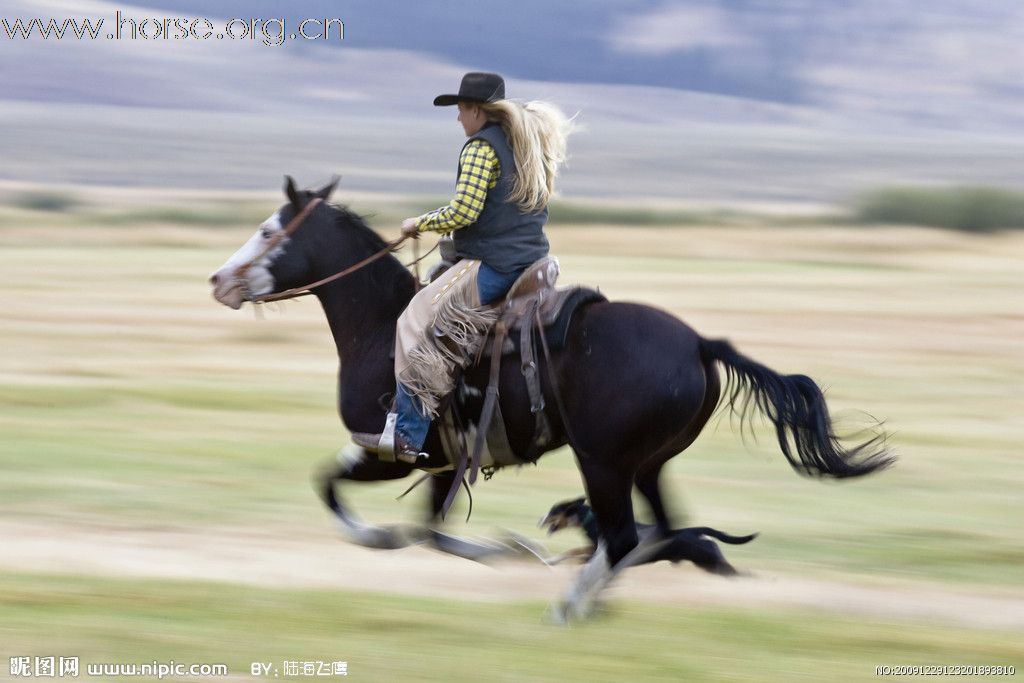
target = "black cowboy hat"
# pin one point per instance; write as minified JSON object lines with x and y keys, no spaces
{"x":477,"y":86}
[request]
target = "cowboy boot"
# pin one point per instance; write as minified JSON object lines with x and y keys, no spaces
{"x":389,"y":445}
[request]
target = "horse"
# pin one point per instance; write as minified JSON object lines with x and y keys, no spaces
{"x":633,"y":385}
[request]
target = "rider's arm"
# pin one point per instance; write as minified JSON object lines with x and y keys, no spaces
{"x":479,"y":172}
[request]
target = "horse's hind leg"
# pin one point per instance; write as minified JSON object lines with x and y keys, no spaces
{"x":648,"y":480}
{"x":648,"y":476}
{"x":647,"y":484}
{"x":609,"y":479}
{"x":608,"y":489}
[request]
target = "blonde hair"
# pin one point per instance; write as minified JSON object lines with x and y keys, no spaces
{"x":537,"y":133}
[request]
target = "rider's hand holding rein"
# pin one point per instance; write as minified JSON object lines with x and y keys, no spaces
{"x":409,"y":228}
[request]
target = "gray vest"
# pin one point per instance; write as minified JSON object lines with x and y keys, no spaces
{"x":503,"y":237}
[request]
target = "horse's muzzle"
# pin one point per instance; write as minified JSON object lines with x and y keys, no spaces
{"x":227,"y":290}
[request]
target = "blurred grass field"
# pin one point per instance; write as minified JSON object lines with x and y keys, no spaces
{"x":132,"y":404}
{"x":395,"y":639}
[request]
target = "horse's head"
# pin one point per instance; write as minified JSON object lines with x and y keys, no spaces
{"x":272,"y":261}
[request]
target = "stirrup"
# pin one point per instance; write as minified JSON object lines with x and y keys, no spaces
{"x":386,"y":449}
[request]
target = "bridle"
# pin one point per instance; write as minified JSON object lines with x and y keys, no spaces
{"x":293,"y":225}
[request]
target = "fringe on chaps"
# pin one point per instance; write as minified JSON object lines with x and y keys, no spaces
{"x":440,"y":332}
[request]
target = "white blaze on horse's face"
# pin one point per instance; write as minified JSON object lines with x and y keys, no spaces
{"x":228,"y":286}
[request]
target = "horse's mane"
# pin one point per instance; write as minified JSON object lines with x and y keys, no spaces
{"x":387,"y":271}
{"x":350,"y":220}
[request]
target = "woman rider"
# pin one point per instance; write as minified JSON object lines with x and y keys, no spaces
{"x":506,"y":176}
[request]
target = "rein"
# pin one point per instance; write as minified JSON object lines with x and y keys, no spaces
{"x":293,"y":225}
{"x":305,"y":289}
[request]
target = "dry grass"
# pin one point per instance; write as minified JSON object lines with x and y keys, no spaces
{"x":131,"y":401}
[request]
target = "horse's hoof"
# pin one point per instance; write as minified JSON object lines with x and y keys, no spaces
{"x":376,"y":537}
{"x":576,"y":609}
{"x":466,"y":548}
{"x":521,"y":546}
{"x":581,"y":610}
{"x":558,"y":614}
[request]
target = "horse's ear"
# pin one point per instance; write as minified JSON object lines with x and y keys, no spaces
{"x":325,"y":191}
{"x":291,"y":192}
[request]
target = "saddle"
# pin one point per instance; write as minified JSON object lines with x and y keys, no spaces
{"x":555,"y":305}
{"x":533,"y":309}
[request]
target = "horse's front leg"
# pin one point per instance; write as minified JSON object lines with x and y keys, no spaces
{"x":441,"y":484}
{"x":353,"y":464}
{"x":476,"y":550}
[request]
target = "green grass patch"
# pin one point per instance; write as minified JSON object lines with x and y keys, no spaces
{"x":33,"y":398}
{"x":396,"y":638}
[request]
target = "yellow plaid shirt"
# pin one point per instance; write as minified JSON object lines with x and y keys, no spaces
{"x":479,"y":172}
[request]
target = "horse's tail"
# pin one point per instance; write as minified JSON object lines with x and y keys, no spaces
{"x":796,"y":406}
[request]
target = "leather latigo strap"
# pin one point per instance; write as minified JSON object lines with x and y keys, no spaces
{"x":500,"y":330}
{"x":528,"y":355}
{"x":490,"y":399}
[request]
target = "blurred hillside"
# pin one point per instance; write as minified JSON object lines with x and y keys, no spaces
{"x":237,"y":114}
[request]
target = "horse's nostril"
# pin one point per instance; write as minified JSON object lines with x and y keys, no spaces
{"x":214,"y":279}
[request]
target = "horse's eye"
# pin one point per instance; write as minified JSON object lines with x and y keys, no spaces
{"x":265,"y":233}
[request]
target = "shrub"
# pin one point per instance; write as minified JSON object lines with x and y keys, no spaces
{"x":974,"y":209}
{"x":45,"y":201}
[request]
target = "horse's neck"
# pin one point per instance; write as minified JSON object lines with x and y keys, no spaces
{"x":362,"y":322}
{"x":361,"y":319}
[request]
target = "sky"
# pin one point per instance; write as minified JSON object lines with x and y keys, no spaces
{"x":932,"y":59}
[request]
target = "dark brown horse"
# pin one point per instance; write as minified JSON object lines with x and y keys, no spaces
{"x":637,"y":386}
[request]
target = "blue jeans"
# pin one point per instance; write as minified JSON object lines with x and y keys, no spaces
{"x":493,"y":285}
{"x":412,"y":424}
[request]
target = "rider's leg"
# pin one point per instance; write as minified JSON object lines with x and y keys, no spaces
{"x":406,"y":428}
{"x":410,"y":422}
